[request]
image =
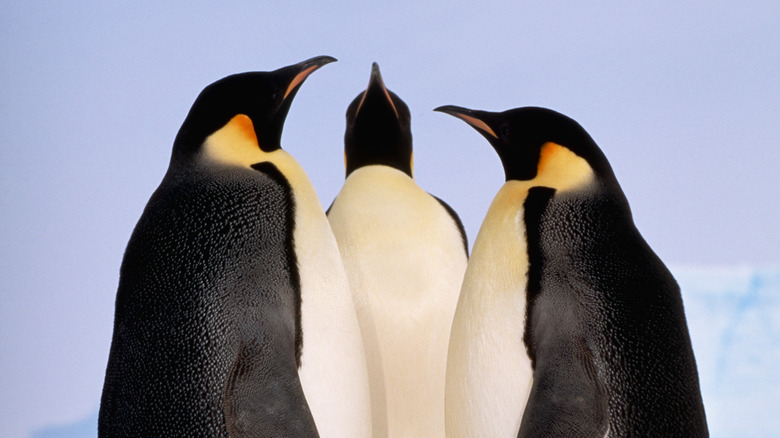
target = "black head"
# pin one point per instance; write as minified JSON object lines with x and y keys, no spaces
{"x":529,"y":140}
{"x":263,"y":97}
{"x":378,"y":129}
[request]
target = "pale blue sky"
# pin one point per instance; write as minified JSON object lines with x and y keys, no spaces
{"x":683,"y":97}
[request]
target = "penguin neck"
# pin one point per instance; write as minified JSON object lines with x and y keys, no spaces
{"x":236,"y":144}
{"x":561,"y":169}
{"x":378,"y":177}
{"x":486,"y":340}
{"x":307,"y":204}
{"x":377,"y":197}
{"x":498,"y":268}
{"x":379,"y":155}
{"x":313,"y":238}
{"x":504,"y":219}
{"x":319,"y":264}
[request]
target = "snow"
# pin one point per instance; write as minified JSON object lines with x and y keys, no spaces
{"x":734,"y":320}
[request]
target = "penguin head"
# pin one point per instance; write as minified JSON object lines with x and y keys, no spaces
{"x":539,"y":145}
{"x":378,"y":129}
{"x":252,"y":106}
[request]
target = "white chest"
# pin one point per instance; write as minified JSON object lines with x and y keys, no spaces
{"x":489,"y":373}
{"x":333,"y":370}
{"x":405,"y":260}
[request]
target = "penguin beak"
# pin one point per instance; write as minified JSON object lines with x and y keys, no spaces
{"x":472,"y":117}
{"x":377,"y":86}
{"x":303,"y":70}
{"x":288,"y":81}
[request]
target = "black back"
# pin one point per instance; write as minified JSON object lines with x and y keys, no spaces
{"x":606,"y":329}
{"x":205,"y":328}
{"x":207,"y":331}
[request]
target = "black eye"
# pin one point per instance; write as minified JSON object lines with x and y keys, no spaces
{"x":505,"y":130}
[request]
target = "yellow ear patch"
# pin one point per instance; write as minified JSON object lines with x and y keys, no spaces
{"x":235,"y":143}
{"x":562,"y":169}
{"x":244,"y":125}
{"x":548,"y":153}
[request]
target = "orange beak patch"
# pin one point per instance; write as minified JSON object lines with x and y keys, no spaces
{"x":479,"y":124}
{"x":390,"y":99}
{"x":387,"y":96}
{"x":298,"y":79}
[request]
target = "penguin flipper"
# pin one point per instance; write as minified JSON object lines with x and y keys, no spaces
{"x":454,"y":215}
{"x":265,"y":401}
{"x":566,"y":399}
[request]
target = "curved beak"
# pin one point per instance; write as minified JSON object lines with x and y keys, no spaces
{"x":288,"y":81}
{"x":473,"y":117}
{"x":303,"y":70}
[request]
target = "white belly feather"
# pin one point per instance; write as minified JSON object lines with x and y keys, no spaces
{"x":489,"y":373}
{"x":333,"y":369}
{"x":405,"y":260}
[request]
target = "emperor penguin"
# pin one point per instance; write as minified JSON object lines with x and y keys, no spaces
{"x":405,"y":253}
{"x":568,"y":324}
{"x":233,"y":313}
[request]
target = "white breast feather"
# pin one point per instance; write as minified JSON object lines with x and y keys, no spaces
{"x":405,"y":261}
{"x":333,"y":370}
{"x":489,"y":373}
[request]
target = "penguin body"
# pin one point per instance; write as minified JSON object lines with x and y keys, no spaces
{"x":215,"y":298}
{"x":566,"y":315}
{"x":405,"y":253}
{"x":489,"y":376}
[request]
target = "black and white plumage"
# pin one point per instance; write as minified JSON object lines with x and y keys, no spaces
{"x":223,"y":322}
{"x":568,"y":323}
{"x":404,"y":251}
